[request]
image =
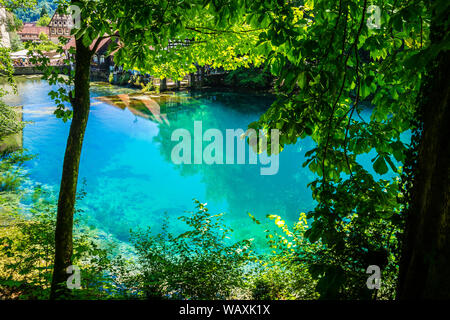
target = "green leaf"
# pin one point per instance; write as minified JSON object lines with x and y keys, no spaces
{"x":301,"y":80}
{"x":380,"y":166}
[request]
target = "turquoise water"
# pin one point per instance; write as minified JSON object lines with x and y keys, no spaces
{"x":126,"y":169}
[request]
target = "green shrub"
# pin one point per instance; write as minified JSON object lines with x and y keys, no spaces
{"x":345,"y":263}
{"x":277,"y":281}
{"x":252,"y":78}
{"x":124,"y":78}
{"x":11,"y":171}
{"x":197,"y":264}
{"x":9,"y":120}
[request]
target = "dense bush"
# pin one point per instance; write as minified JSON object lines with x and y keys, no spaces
{"x":252,"y":78}
{"x":273,"y":280}
{"x":9,"y":120}
{"x":124,"y":79}
{"x":345,"y":263}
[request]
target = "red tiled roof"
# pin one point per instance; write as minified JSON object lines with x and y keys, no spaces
{"x":103,"y":46}
{"x":70,"y":44}
{"x":32,"y":29}
{"x":101,"y":49}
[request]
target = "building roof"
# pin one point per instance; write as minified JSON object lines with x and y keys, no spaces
{"x":102,"y":48}
{"x":54,"y":22}
{"x":70,"y":44}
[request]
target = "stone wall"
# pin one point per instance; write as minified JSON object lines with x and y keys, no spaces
{"x":4,"y":35}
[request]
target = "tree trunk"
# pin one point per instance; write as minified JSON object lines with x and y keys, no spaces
{"x":163,"y":85}
{"x":202,"y":75}
{"x":68,"y":189}
{"x":191,"y":80}
{"x":425,"y":262}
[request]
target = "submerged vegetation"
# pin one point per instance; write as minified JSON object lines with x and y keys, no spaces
{"x":28,"y":247}
{"x":251,"y":78}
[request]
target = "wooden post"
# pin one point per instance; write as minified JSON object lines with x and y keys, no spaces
{"x":202,"y":77}
{"x":163,"y":85}
{"x":191,"y":80}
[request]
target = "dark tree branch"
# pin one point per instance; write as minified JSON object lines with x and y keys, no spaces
{"x":214,"y":31}
{"x":330,"y":122}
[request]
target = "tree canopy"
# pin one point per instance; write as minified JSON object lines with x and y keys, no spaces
{"x":331,"y":63}
{"x":34,"y":9}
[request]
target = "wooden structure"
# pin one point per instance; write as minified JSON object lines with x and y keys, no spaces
{"x":60,"y":26}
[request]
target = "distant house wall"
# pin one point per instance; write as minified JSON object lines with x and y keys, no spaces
{"x":102,"y":62}
{"x":5,"y":41}
{"x":60,"y":26}
{"x":31,"y":32}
